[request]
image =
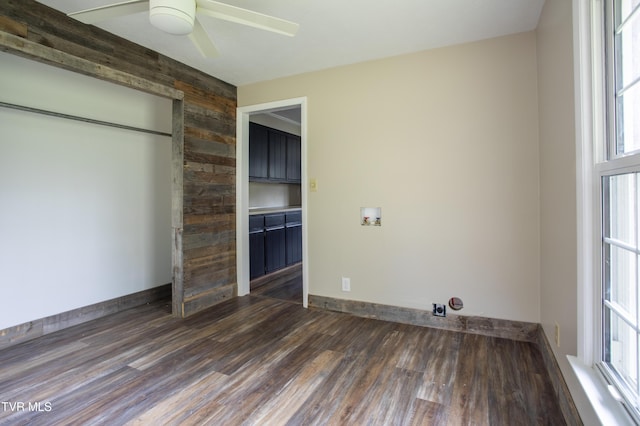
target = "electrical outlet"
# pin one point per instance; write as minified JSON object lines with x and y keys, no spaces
{"x":346,"y":284}
{"x":439,"y":310}
{"x":557,"y":336}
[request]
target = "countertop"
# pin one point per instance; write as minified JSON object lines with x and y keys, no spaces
{"x":264,"y":210}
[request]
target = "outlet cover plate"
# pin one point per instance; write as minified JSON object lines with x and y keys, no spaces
{"x":346,"y":284}
{"x":439,"y":310}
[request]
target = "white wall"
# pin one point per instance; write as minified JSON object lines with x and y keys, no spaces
{"x":85,"y":210}
{"x":446,"y":143}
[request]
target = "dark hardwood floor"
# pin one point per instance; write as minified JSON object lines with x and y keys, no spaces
{"x":283,"y":285}
{"x":256,"y":360}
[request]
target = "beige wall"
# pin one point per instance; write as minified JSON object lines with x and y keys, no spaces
{"x":446,"y":143}
{"x":558,"y":215}
{"x":557,"y":174}
{"x":470,"y":152}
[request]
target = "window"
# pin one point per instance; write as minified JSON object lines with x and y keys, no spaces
{"x":624,"y":46}
{"x":619,"y":176}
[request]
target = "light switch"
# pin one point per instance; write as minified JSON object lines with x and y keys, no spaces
{"x":313,"y":185}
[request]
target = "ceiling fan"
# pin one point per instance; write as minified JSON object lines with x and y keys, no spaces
{"x":179,"y":17}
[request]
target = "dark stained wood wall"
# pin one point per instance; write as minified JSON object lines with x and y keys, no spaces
{"x":209,"y":198}
{"x":208,"y":238}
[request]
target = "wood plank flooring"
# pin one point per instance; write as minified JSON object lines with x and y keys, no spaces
{"x":256,"y":360}
{"x":290,"y":290}
{"x":283,"y":285}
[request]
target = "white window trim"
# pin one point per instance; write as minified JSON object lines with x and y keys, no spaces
{"x":590,"y":133}
{"x":584,"y":177}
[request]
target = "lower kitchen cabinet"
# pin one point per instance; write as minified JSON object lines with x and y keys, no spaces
{"x":294,"y":244}
{"x":256,"y":246}
{"x":275,"y":249}
{"x":256,"y":254}
{"x":275,"y":241}
{"x":293,"y":221}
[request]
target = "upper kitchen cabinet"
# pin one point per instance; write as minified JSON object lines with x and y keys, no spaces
{"x":258,"y":152}
{"x":277,"y":155}
{"x":274,"y":156}
{"x":294,"y":163}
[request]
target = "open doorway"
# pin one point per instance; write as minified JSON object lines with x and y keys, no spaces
{"x":271,"y":201}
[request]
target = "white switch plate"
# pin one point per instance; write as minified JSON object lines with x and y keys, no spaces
{"x":346,"y":284}
{"x":313,"y":184}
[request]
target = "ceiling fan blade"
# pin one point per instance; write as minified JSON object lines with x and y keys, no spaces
{"x":246,"y":17}
{"x":202,"y":41}
{"x":97,"y":14}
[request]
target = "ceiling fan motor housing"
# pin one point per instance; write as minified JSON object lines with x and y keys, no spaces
{"x":173,"y":16}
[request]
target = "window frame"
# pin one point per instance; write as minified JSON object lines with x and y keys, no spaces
{"x":607,"y":162}
{"x":626,"y":395}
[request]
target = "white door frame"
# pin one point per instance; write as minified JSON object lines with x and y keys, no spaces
{"x":242,"y":190}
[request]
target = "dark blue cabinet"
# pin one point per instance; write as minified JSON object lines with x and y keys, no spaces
{"x":256,"y":253}
{"x":274,"y":156}
{"x":294,"y":155}
{"x":275,"y":241}
{"x":277,"y":156}
{"x":258,"y":151}
{"x":256,"y":246}
{"x":293,"y":222}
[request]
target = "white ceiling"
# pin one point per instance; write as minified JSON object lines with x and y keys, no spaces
{"x":332,"y":32}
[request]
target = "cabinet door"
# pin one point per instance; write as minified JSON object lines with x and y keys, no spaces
{"x":256,"y":254}
{"x":258,"y":151}
{"x":294,"y":244}
{"x":275,"y":249}
{"x":293,"y":218}
{"x":256,"y":223}
{"x":294,"y":169}
{"x":277,"y":155}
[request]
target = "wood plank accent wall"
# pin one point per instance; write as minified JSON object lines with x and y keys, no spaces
{"x":204,"y":215}
{"x":209,"y":198}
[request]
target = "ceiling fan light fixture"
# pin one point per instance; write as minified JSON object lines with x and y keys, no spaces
{"x":178,"y":17}
{"x":172,"y":16}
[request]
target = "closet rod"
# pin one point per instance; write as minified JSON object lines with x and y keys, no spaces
{"x":83,"y":119}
